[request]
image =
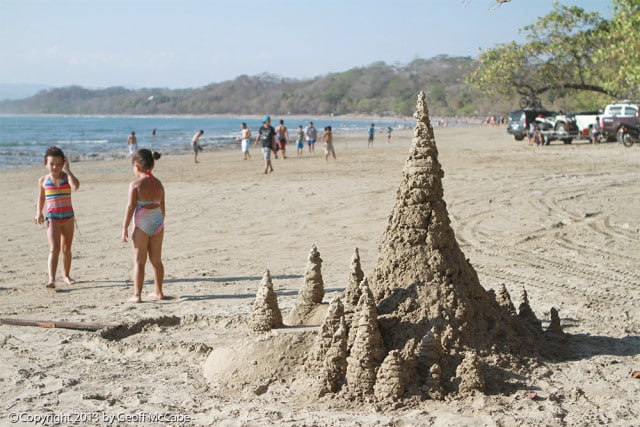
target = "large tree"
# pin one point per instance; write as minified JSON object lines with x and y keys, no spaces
{"x":620,"y":51}
{"x":566,"y":51}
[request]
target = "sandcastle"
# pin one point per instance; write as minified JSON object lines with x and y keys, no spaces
{"x":424,"y":326}
{"x":420,"y":326}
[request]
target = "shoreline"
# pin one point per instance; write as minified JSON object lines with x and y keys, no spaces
{"x":86,"y":138}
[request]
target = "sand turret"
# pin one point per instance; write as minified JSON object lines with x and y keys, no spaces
{"x":504,"y":299}
{"x":392,"y":378}
{"x":367,"y":352}
{"x":527,"y":315}
{"x":554,"y":324}
{"x":330,"y":325}
{"x":352,"y":293}
{"x":265,"y":314}
{"x":471,"y":374}
{"x":313,"y":289}
{"x":308,"y":308}
{"x":327,"y":362}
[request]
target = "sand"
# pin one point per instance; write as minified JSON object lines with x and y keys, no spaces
{"x":559,"y":220}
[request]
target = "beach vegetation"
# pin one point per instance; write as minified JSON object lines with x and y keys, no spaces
{"x":571,"y":57}
{"x":376,"y":89}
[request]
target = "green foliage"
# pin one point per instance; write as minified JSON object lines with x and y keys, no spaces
{"x":567,"y":53}
{"x":374,"y":90}
{"x":619,"y":54}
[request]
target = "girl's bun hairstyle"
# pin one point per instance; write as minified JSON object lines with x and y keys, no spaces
{"x":145,"y":158}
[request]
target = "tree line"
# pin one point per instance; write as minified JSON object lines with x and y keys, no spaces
{"x":377,"y":89}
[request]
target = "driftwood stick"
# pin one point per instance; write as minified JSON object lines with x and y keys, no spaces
{"x":82,"y":326}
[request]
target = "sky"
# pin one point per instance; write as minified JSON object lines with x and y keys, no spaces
{"x":192,"y":43}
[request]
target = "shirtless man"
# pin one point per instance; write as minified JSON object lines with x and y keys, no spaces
{"x":282,"y":134}
{"x":195,"y":144}
{"x":132,"y":143}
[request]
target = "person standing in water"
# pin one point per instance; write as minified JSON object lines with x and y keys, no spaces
{"x":132,"y":143}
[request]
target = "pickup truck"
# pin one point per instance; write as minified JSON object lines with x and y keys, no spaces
{"x":616,"y":115}
{"x":584,"y":121}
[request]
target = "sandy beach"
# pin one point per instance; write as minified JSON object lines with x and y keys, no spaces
{"x":561,"y":221}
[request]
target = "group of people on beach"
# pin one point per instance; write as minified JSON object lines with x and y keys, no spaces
{"x":274,"y":140}
{"x":372,"y":131}
{"x":145,"y":208}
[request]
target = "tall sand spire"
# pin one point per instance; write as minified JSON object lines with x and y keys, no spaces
{"x":422,"y":281}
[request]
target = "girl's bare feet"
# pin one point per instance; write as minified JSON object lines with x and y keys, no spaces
{"x":155,"y":296}
{"x":69,"y":281}
{"x":135,"y":298}
{"x":50,"y":285}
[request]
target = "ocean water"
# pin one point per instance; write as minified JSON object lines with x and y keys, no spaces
{"x":24,"y":139}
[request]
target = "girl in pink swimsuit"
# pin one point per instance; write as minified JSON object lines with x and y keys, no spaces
{"x":146,"y":209}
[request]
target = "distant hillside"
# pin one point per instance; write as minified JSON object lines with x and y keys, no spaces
{"x":378,"y":89}
{"x":19,"y":91}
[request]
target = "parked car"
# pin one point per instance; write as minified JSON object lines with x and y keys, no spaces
{"x":552,"y":125}
{"x":618,"y":114}
{"x":519,"y":121}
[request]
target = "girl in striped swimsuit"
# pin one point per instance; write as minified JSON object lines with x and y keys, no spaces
{"x":55,"y":191}
{"x":146,"y":209}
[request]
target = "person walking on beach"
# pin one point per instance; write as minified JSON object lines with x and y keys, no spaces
{"x":299,"y":140}
{"x":245,"y":140}
{"x":146,"y":207}
{"x":267,"y":137}
{"x":54,"y":190}
{"x":389,"y":130}
{"x":311,"y":134}
{"x":283,"y":138}
{"x":327,"y":141}
{"x":532,"y":129}
{"x":195,"y":144}
{"x":372,"y":131}
{"x":595,"y":131}
{"x":132,"y":143}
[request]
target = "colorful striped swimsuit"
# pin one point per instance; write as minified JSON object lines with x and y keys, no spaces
{"x":58,"y":199}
